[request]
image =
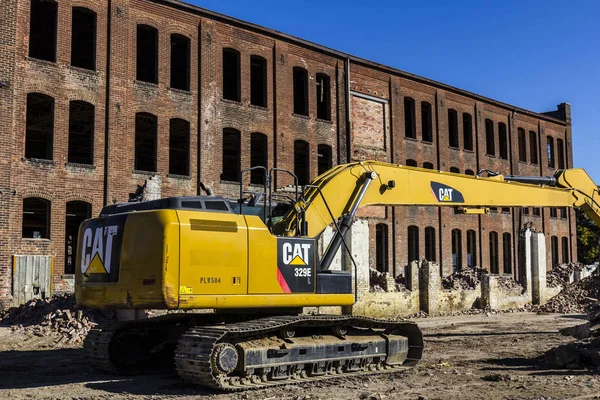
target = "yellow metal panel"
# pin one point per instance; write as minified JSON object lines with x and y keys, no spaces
{"x":262,"y":260}
{"x":264,"y":301}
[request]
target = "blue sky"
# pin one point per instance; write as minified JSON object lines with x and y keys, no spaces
{"x":531,"y":53}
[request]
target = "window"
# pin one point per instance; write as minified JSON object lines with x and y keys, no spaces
{"x":179,"y":147}
{"x":302,"y":161}
{"x":300,"y":91}
{"x":452,"y":128}
{"x":522,"y":145}
{"x":469,"y":172}
{"x":560,"y":148}
{"x":471,"y":248}
{"x":258,"y":81}
{"x":413,"y":243}
{"x":553,"y":213}
{"x":493,"y":209}
{"x":490,"y":146}
{"x":533,"y":149}
{"x":430,"y":243}
{"x":563,"y":212}
{"x":180,"y":62}
{"x":83,"y":38}
{"x":554,"y":250}
{"x":454,"y":170}
{"x":503,"y":140}
{"x":324,"y":158}
{"x":259,"y":157}
{"x":36,"y":218}
{"x":323,"y":97}
{"x":505,"y":210}
{"x":565,"y":249}
{"x":494,"y":252}
{"x":39,"y":129}
{"x":231,"y":75}
{"x":147,"y":54}
{"x":550,"y":141}
{"x":467,"y":131}
{"x":77,"y":212}
{"x":145,"y":142}
{"x":536,"y":211}
{"x":506,"y":253}
{"x":525,"y":210}
{"x":426,"y":122}
{"x":456,"y":250}
{"x":42,"y":30}
{"x":410,"y":128}
{"x":427,"y":165}
{"x":81,"y":133}
{"x":411,"y":163}
{"x":231,"y":155}
{"x":381,"y":247}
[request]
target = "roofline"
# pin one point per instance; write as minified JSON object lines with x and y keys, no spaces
{"x":326,"y":50}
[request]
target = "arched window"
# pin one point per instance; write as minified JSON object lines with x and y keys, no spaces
{"x":410,"y":128}
{"x":471,"y":248}
{"x":302,"y":161}
{"x":507,"y":253}
{"x":454,"y":170}
{"x":411,"y":163}
{"x":258,"y":81}
{"x":42,"y":29}
{"x":427,"y":165}
{"x":323,"y":97}
{"x":259,"y":157}
{"x":490,"y":146}
{"x":494,"y":252}
{"x":180,"y":62}
{"x":83,"y":38}
{"x":503,"y":140}
{"x":300,"y":91}
{"x":231,"y":75}
{"x":413,"y":243}
{"x":522,"y":145}
{"x":231,"y":155}
{"x":76,"y":213}
{"x":146,"y":128}
{"x":81,"y":132}
{"x":179,"y":147}
{"x":550,"y":142}
{"x":467,"y":131}
{"x":39,"y":130}
{"x":554,"y":250}
{"x":560,"y":149}
{"x":565,"y":249}
{"x":533,"y":148}
{"x":426,"y":122}
{"x":456,"y":250}
{"x":452,"y":128}
{"x":381,"y":247}
{"x":325,"y":161}
{"x":147,"y":54}
{"x":430,"y":243}
{"x":36,"y":218}
{"x":469,"y":172}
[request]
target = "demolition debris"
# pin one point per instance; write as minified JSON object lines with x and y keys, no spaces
{"x":466,"y":279}
{"x":574,"y":298}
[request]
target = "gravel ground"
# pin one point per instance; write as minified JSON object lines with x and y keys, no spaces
{"x":466,"y":357}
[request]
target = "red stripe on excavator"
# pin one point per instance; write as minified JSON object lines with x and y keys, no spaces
{"x":282,"y":282}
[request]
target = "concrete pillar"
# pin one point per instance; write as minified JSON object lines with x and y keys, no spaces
{"x":358,"y":241}
{"x":412,"y":276}
{"x":489,"y":285}
{"x":324,"y":241}
{"x":430,"y":284}
{"x":538,"y":268}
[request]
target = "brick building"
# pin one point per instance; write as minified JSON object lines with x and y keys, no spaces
{"x":98,"y":96}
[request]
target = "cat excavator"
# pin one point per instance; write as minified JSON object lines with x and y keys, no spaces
{"x":237,"y":273}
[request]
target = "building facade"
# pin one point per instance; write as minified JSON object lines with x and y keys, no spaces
{"x":98,"y":96}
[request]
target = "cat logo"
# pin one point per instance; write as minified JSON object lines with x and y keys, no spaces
{"x":296,"y":260}
{"x":446,"y":194}
{"x":296,"y":253}
{"x":97,"y":249}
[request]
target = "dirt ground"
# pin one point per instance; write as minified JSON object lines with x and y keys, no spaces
{"x":466,"y":357}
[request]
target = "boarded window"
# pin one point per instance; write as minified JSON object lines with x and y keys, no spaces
{"x":300,"y":91}
{"x":494,"y":252}
{"x":456,"y":250}
{"x":452,"y":128}
{"x":410,"y":126}
{"x":36,"y":218}
{"x":231,"y":155}
{"x":147,"y":54}
{"x":42,"y":30}
{"x":323,"y":97}
{"x":381,"y":247}
{"x":550,"y":150}
{"x":430,"y":243}
{"x":77,"y":212}
{"x":490,"y":146}
{"x":231,"y":75}
{"x":39,"y":130}
{"x":533,"y":148}
{"x":413,"y":243}
{"x":565,"y":249}
{"x":146,"y":127}
{"x":522,"y":145}
{"x":302,"y":161}
{"x":553,"y":212}
{"x":426,"y":122}
{"x":411,"y":163}
{"x":324,"y":158}
{"x":471,"y":248}
{"x":427,"y":165}
{"x":179,"y":147}
{"x":180,"y":62}
{"x":560,"y":149}
{"x":554,"y":250}
{"x":258,"y":81}
{"x":503,"y":140}
{"x":81,"y":132}
{"x":563,"y":212}
{"x":259,"y":153}
{"x":467,"y":131}
{"x":454,"y":170}
{"x":83,"y":38}
{"x":506,"y":253}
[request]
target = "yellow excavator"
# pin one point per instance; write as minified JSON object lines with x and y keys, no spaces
{"x":254,"y":263}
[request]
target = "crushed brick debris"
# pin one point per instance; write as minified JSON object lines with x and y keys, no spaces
{"x":575,"y":297}
{"x":466,"y":279}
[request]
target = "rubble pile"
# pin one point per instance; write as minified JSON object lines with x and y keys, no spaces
{"x":574,"y":297}
{"x":58,"y":315}
{"x":466,"y":279}
{"x":377,"y":281}
{"x":509,"y":284}
{"x":561,"y":274}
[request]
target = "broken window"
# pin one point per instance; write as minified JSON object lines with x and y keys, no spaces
{"x":300,"y":91}
{"x":454,"y":170}
{"x":231,"y":155}
{"x":231,"y":75}
{"x":503,"y":140}
{"x":36,"y":218}
{"x":554,"y":250}
{"x":83,"y":38}
{"x":565,"y":249}
{"x":563,"y":212}
{"x":381,"y":247}
{"x":302,"y":161}
{"x":490,"y":146}
{"x":179,"y":147}
{"x":410,"y":126}
{"x":323,"y":97}
{"x":42,"y":29}
{"x":426,"y":122}
{"x":146,"y":126}
{"x":427,"y":165}
{"x":522,"y":145}
{"x":147,"y":54}
{"x":506,"y":253}
{"x":560,"y":147}
{"x":550,"y":147}
{"x":413,"y":243}
{"x":259,"y":153}
{"x":430,"y":243}
{"x":411,"y":163}
{"x":533,"y":148}
{"x":39,"y":130}
{"x":536,"y":211}
{"x":553,"y":212}
{"x":324,"y":158}
{"x":452,"y":128}
{"x":456,"y":250}
{"x":81,"y":132}
{"x":467,"y":131}
{"x":77,"y":212}
{"x":471,"y":249}
{"x":180,"y":62}
{"x":494,"y":253}
{"x":469,"y":172}
{"x":258,"y":81}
